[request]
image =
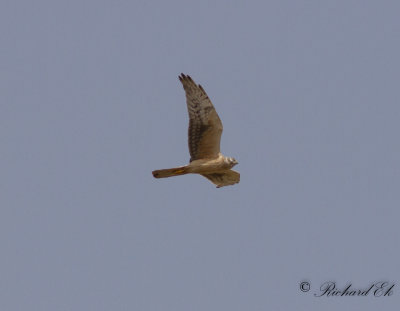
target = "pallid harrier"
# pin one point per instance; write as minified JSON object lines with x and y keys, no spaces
{"x":205,"y":129}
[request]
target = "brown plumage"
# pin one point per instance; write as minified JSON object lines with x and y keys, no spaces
{"x":205,"y":130}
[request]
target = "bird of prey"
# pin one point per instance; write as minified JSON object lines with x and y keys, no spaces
{"x":205,"y":129}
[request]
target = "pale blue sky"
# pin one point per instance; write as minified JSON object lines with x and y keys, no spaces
{"x":90,"y":104}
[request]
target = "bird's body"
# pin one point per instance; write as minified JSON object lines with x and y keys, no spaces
{"x":205,"y":129}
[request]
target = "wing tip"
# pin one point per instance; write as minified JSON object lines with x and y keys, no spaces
{"x":182,"y":77}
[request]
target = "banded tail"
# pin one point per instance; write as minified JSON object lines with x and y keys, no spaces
{"x":169,"y":172}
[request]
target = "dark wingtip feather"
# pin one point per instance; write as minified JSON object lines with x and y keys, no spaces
{"x":183,"y":77}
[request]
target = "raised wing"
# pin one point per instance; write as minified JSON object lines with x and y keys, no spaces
{"x":225,"y":178}
{"x":205,"y":126}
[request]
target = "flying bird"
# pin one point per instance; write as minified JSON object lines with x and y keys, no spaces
{"x":205,"y":130}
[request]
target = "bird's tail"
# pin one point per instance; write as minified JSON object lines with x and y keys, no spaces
{"x":169,"y":172}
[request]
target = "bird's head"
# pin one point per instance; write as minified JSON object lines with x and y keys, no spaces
{"x":231,"y":161}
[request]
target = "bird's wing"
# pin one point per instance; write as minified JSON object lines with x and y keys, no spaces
{"x":205,"y":126}
{"x":226,"y":178}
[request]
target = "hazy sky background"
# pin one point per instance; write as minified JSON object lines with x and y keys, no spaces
{"x":90,"y":104}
